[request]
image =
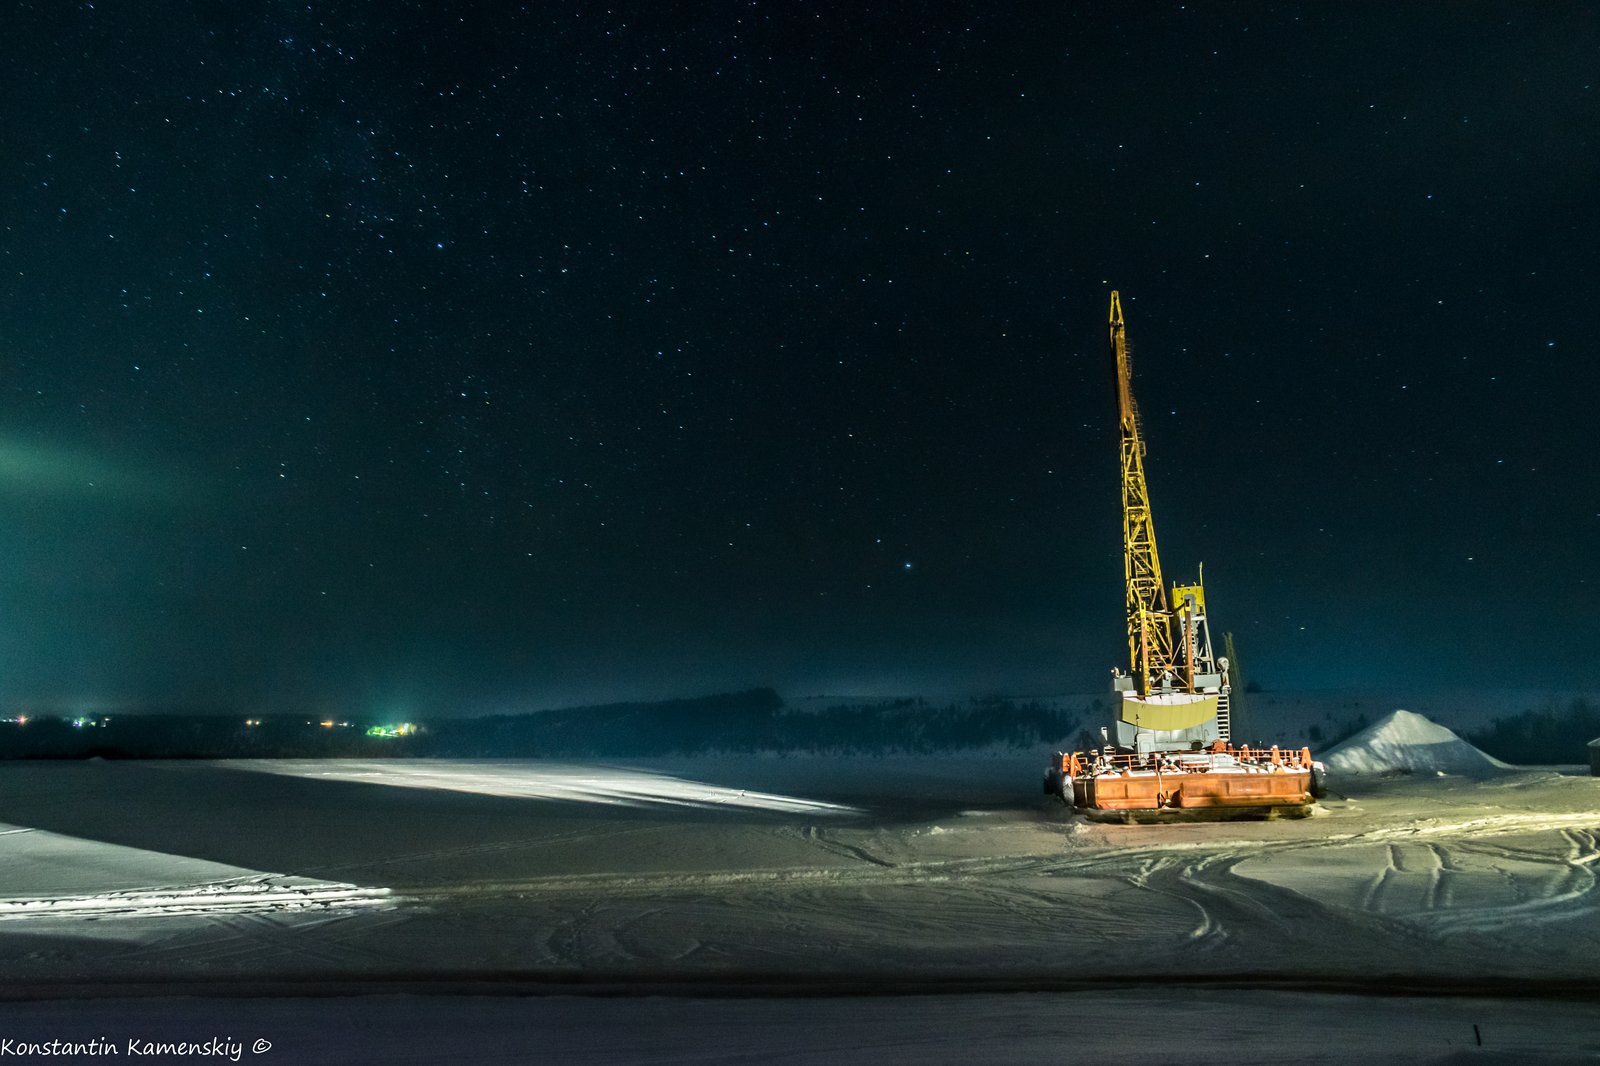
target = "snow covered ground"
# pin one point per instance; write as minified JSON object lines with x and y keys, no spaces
{"x":829,"y":867}
{"x":783,"y":875}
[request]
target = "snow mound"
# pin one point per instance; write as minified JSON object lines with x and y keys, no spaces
{"x":1406,"y":741}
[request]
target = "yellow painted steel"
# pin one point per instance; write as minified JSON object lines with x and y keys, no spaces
{"x":1195,"y":710}
{"x":1180,"y":604}
{"x":1149,"y":618}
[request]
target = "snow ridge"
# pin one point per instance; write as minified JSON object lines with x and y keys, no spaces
{"x":234,"y":896}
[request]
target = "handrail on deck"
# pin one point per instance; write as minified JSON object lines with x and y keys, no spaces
{"x":1095,"y":763}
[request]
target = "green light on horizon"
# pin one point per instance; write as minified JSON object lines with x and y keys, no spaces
{"x":404,"y":729}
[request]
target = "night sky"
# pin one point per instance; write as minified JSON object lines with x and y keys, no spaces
{"x":447,"y":358}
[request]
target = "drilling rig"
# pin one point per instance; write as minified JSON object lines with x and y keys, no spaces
{"x":1168,"y":746}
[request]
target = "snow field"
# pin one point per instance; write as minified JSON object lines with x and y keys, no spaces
{"x":948,"y":869}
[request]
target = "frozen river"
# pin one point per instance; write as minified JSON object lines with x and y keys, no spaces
{"x":781,"y":876}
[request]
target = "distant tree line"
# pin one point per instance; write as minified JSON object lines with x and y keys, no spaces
{"x":744,"y":722}
{"x":749,"y":722}
{"x":1550,"y":735}
{"x":189,"y":736}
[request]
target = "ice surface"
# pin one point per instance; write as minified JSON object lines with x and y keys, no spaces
{"x":1125,"y":1027}
{"x":1405,"y":741}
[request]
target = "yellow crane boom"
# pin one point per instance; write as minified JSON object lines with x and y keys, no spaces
{"x":1149,"y":617}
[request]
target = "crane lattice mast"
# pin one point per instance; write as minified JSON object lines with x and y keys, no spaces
{"x":1149,"y":618}
{"x":1168,"y":744}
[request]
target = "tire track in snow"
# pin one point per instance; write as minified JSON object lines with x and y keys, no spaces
{"x":1572,"y":899}
{"x":822,"y":839}
{"x":1372,"y":900}
{"x":251,"y":942}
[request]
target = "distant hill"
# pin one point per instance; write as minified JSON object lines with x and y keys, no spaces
{"x":740,"y":722}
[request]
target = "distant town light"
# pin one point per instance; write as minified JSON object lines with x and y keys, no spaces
{"x":404,"y":729}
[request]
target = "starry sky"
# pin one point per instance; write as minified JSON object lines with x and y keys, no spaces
{"x":470,"y":356}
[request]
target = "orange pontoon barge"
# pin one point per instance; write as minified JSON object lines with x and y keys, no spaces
{"x":1192,"y":781}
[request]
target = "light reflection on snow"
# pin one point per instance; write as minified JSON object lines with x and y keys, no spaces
{"x":572,"y":782}
{"x":45,"y":875}
{"x":264,"y":894}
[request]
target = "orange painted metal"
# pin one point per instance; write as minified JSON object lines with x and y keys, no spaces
{"x":1190,"y":780}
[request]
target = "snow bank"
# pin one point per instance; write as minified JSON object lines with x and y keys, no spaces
{"x":1406,"y":741}
{"x":44,"y":874}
